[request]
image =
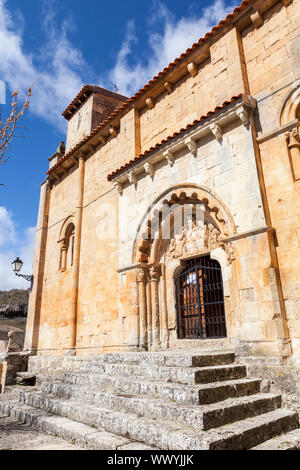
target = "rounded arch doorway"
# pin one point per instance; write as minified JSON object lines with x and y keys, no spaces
{"x":199,"y":299}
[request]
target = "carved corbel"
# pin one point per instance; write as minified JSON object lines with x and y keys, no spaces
{"x":149,"y":169}
{"x":243,"y":115}
{"x":168,"y":86}
{"x":91,"y":148}
{"x":119,"y":186}
{"x":192,"y":69}
{"x":132,"y":178}
{"x":73,"y":160}
{"x":113,"y":131}
{"x":191,"y":145}
{"x":217,"y":131}
{"x":169,"y":157}
{"x":257,"y":19}
{"x":57,"y":178}
{"x":150,"y":103}
{"x":102,"y":140}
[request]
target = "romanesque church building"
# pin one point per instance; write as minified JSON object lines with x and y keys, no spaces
{"x":170,"y":220}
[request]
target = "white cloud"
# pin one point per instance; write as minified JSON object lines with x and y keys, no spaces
{"x":165,"y":45}
{"x":57,"y":70}
{"x":14,"y":243}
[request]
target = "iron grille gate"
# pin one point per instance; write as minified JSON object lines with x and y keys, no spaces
{"x":200,"y":300}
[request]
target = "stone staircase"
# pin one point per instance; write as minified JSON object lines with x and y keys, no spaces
{"x":165,"y":400}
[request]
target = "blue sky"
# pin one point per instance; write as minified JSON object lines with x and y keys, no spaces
{"x":60,"y":45}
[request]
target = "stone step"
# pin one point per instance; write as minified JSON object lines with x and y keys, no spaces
{"x":288,"y":441}
{"x":180,"y":393}
{"x":26,"y":378}
{"x":253,"y":431}
{"x":77,"y":433}
{"x":201,"y":417}
{"x":188,"y":375}
{"x":202,"y":358}
{"x":167,"y":435}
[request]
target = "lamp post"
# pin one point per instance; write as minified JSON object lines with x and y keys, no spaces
{"x":17,"y":266}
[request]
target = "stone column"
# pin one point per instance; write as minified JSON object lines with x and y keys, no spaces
{"x":63,"y":257}
{"x":35,"y":298}
{"x":154,"y":279}
{"x":141,"y":280}
{"x":293,"y":143}
{"x":164,"y":313}
{"x":149,"y":314}
{"x":77,"y":243}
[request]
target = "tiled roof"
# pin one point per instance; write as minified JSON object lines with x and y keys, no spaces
{"x":129,"y":101}
{"x":176,"y":134}
{"x":86,"y":91}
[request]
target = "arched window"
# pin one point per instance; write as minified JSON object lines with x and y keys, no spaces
{"x":67,"y":248}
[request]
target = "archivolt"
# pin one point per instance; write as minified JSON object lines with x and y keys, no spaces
{"x":290,"y":109}
{"x":150,"y":230}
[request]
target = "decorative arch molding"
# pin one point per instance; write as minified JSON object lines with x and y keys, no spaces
{"x":290,"y":109}
{"x":66,"y":222}
{"x":66,"y":242}
{"x":160,"y":219}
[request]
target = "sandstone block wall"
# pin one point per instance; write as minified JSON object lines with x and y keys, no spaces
{"x":249,"y":170}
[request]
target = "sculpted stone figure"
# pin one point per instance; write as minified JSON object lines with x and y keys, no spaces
{"x":197,"y":237}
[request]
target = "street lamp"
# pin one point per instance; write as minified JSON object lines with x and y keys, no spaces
{"x":17,"y":266}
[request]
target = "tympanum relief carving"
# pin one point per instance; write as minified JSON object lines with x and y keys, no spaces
{"x":196,"y":237}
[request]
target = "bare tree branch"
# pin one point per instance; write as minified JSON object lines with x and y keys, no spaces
{"x":8,"y":125}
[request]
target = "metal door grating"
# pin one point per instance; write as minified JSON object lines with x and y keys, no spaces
{"x":200,"y":300}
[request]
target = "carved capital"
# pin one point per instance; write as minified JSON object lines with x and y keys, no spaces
{"x":149,"y":168}
{"x":154,"y":273}
{"x":191,"y":145}
{"x":169,"y":157}
{"x":293,"y":138}
{"x":243,"y":115}
{"x":228,"y":248}
{"x":217,"y":131}
{"x":140,"y":275}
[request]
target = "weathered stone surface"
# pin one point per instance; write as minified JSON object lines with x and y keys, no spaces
{"x":288,"y":441}
{"x":25,"y":378}
{"x":120,"y":404}
{"x":17,"y":436}
{"x":181,"y":393}
{"x":203,"y":417}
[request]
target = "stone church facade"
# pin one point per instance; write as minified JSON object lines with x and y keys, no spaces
{"x":172,"y":218}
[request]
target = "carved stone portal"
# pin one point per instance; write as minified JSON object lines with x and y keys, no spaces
{"x":196,"y":237}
